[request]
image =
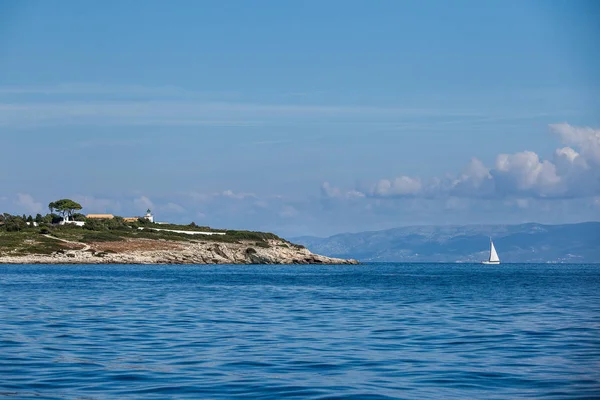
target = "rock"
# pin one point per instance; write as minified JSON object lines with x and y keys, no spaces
{"x":277,"y":252}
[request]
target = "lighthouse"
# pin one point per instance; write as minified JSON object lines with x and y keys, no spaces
{"x":149,"y":216}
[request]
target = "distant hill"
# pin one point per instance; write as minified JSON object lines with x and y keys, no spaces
{"x":530,"y":242}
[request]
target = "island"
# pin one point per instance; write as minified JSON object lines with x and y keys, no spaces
{"x":65,"y":236}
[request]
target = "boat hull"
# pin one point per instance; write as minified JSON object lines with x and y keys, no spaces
{"x":491,"y":262}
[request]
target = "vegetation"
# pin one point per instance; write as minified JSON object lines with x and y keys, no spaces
{"x":11,"y":223}
{"x":27,"y":242}
{"x":28,"y":234}
{"x":65,"y":207}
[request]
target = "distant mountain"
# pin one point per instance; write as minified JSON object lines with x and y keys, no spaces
{"x":571,"y":243}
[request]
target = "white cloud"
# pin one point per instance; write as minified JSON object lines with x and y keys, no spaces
{"x":525,"y":173}
{"x":570,"y":172}
{"x":143,"y":203}
{"x":27,"y":203}
{"x":233,"y":195}
{"x":124,"y":105}
{"x":261,"y":204}
{"x":354,"y":194}
{"x":585,"y":138}
{"x":331,"y":192}
{"x":568,"y":160}
{"x":401,"y":186}
{"x":474,"y":180}
{"x":172,"y":207}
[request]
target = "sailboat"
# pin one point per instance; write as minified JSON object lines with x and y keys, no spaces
{"x":493,"y":255}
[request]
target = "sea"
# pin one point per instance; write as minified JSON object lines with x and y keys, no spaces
{"x":373,"y":331}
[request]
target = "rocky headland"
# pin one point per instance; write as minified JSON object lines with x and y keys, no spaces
{"x":161,"y":251}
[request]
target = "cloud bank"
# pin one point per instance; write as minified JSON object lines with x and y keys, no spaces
{"x":572,"y":171}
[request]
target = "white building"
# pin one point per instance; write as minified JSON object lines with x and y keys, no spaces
{"x":66,"y":221}
{"x":149,"y":216}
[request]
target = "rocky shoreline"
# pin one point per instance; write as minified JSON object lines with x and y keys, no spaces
{"x":143,"y":251}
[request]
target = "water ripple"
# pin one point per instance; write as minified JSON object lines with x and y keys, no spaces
{"x":382,"y":331}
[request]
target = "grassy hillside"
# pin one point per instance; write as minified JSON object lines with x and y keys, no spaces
{"x":27,"y":242}
{"x":18,"y":238}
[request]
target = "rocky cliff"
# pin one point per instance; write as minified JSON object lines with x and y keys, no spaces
{"x":147,"y":251}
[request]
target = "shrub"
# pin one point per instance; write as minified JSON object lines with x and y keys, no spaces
{"x":105,"y":236}
{"x":78,"y":217}
{"x":15,"y":224}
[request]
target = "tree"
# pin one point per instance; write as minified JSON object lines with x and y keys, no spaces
{"x":55,"y":218}
{"x":93,"y":225}
{"x":15,"y":224}
{"x":39,"y":219}
{"x":30,"y":219}
{"x":65,"y":207}
{"x":78,"y":217}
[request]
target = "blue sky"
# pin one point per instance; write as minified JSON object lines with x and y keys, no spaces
{"x":312,"y":117}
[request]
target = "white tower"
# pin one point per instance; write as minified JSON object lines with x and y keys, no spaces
{"x":149,"y":216}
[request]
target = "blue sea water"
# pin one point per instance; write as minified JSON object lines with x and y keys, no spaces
{"x":407,"y":331}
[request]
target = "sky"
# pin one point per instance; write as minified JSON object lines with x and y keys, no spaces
{"x":303,"y":118}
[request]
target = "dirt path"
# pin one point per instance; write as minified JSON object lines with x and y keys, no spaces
{"x":85,"y":246}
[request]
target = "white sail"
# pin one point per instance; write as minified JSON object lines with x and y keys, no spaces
{"x":493,"y":254}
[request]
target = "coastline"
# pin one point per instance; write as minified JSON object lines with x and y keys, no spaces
{"x":147,"y":251}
